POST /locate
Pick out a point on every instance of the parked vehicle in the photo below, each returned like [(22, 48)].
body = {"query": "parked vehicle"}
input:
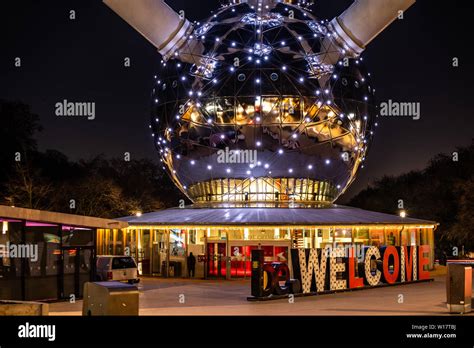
[(119, 268)]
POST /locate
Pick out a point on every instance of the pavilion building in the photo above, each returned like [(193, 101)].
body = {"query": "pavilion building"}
[(222, 238)]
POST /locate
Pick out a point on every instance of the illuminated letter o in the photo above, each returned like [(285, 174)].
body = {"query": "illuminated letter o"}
[(391, 278)]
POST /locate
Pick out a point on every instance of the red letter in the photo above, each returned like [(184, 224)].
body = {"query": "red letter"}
[(354, 282), (422, 261), (391, 277)]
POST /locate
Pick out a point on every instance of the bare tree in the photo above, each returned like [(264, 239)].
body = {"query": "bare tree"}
[(27, 188)]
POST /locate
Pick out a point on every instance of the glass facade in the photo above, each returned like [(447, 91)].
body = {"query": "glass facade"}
[(11, 268), (42, 270), (263, 190), (41, 261), (225, 252)]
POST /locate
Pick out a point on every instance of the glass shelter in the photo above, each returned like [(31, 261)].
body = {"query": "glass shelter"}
[(46, 255)]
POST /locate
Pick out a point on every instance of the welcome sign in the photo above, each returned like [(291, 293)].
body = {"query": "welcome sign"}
[(337, 269)]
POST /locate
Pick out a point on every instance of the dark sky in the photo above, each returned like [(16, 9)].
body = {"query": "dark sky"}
[(82, 60)]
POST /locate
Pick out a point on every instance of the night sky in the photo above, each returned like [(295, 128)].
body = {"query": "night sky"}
[(82, 60)]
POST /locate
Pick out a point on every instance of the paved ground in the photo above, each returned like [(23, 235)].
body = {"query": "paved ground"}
[(206, 297)]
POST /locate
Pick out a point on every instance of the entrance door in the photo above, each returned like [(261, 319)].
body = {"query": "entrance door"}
[(144, 256), (216, 255), (241, 255), (77, 269), (155, 256)]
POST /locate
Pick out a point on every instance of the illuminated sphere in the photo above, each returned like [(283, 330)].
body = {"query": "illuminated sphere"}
[(259, 86)]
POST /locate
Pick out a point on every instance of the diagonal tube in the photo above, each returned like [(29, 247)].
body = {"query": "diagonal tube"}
[(361, 23), (167, 30)]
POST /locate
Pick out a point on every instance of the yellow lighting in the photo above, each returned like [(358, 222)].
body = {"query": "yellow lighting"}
[(277, 233), (138, 214), (5, 227), (284, 227), (403, 214)]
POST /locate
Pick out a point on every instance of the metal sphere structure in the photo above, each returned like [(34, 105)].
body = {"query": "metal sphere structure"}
[(258, 117)]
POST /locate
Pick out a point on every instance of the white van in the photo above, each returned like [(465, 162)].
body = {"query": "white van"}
[(119, 268)]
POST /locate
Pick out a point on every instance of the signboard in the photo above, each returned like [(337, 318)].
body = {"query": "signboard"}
[(332, 269)]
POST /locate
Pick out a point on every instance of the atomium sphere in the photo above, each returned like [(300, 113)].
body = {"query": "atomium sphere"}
[(257, 119)]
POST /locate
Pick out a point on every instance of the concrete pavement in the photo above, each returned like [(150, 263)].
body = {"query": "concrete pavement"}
[(210, 297)]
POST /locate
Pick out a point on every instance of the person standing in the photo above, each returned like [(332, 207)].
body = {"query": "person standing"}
[(191, 265)]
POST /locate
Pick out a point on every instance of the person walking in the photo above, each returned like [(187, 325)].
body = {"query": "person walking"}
[(191, 265)]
